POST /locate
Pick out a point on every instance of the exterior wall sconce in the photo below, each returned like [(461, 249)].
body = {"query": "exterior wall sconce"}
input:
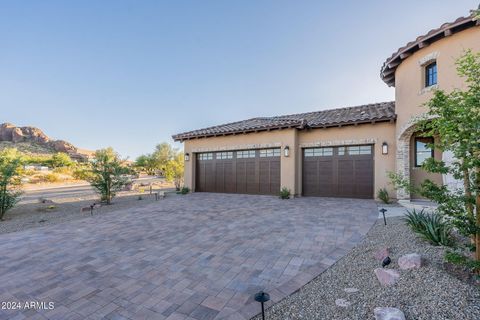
[(384, 148), (187, 156), (286, 151)]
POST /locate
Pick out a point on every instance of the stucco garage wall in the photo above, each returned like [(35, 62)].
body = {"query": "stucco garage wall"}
[(374, 134), (264, 139), (291, 167)]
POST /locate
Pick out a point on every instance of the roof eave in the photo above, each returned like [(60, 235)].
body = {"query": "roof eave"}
[(387, 71), (303, 126)]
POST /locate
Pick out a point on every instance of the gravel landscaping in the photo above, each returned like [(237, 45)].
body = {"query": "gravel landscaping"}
[(31, 215), (424, 293)]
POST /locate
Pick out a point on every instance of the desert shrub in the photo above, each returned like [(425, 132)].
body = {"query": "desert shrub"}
[(29, 173), (383, 195), (430, 226), (52, 177), (64, 170), (10, 179), (285, 193), (81, 173), (60, 159), (37, 159), (462, 260)]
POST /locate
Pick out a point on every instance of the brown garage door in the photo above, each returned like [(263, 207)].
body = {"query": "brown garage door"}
[(242, 171), (338, 172)]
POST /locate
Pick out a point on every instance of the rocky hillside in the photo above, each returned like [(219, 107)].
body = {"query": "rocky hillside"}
[(33, 140)]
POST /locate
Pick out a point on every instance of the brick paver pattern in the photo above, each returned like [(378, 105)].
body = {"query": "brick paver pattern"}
[(199, 256)]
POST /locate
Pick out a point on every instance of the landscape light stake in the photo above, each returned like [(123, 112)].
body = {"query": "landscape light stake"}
[(91, 209), (386, 262), (383, 210), (262, 297)]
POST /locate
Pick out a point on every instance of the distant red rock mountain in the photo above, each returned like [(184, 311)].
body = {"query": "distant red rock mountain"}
[(21, 135)]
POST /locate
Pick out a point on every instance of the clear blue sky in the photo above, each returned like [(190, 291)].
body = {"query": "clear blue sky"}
[(129, 74)]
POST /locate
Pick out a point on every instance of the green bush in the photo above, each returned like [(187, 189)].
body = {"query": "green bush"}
[(81, 173), (285, 193), (185, 190), (382, 194), (430, 226), (462, 260)]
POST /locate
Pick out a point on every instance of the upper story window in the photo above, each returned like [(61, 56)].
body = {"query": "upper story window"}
[(431, 74), (423, 151)]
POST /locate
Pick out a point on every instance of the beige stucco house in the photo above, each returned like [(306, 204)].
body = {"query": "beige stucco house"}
[(344, 152)]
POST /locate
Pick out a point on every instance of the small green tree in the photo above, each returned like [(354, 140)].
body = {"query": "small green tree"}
[(147, 163), (108, 174), (163, 153), (174, 169), (61, 159), (10, 179)]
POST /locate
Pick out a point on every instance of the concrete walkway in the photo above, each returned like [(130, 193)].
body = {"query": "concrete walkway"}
[(200, 256), (402, 208)]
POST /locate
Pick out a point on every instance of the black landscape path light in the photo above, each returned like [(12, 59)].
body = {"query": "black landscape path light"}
[(386, 262), (383, 210), (262, 297)]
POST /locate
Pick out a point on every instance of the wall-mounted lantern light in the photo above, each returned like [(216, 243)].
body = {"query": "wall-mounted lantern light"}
[(384, 148), (286, 151), (187, 156)]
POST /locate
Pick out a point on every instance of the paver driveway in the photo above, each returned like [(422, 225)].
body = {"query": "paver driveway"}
[(199, 256)]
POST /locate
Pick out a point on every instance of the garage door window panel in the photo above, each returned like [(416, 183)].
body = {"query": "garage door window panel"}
[(318, 152), (245, 154), (205, 156), (224, 155), (264, 153)]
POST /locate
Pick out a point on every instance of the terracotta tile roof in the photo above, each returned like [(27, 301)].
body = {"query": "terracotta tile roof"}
[(375, 112), (387, 72)]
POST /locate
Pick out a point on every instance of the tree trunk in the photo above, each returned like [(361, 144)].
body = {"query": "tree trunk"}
[(3, 205), (477, 212), (468, 204)]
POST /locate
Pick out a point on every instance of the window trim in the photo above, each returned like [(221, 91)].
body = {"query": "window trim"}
[(426, 70), (432, 152)]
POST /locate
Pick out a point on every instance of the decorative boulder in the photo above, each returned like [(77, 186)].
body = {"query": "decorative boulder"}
[(388, 314), (410, 261), (386, 276), (381, 253)]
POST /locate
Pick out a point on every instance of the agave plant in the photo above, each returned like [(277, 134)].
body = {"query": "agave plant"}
[(430, 226)]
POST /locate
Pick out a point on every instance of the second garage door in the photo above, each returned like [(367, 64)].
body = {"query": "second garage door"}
[(242, 171), (338, 171)]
